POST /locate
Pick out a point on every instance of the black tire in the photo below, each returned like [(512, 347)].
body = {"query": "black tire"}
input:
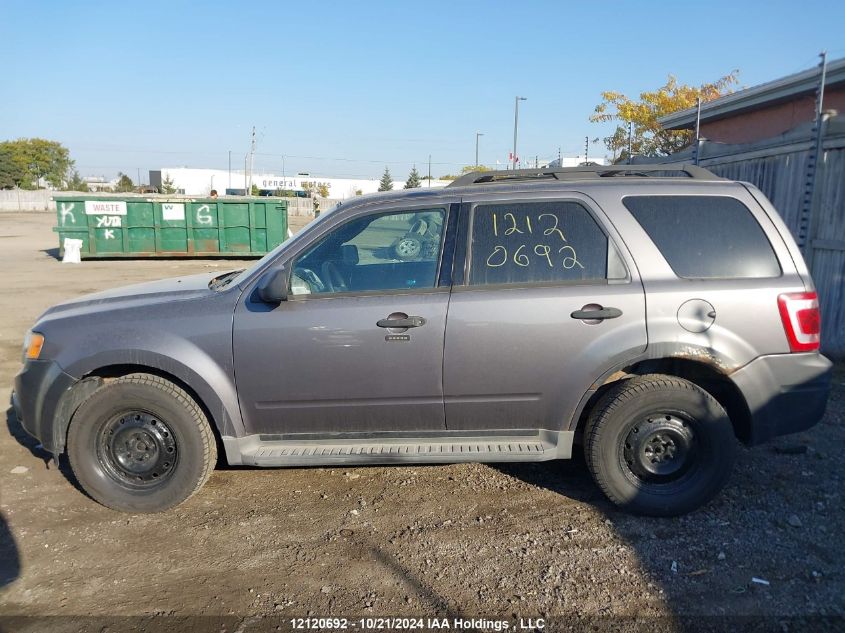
[(659, 445), (140, 444)]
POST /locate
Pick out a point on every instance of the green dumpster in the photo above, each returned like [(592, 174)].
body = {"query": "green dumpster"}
[(171, 226)]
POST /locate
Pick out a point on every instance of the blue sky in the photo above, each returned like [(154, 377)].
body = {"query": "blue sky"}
[(343, 90)]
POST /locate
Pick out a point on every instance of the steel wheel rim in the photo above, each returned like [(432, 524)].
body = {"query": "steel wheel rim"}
[(659, 448), (408, 247), (137, 449)]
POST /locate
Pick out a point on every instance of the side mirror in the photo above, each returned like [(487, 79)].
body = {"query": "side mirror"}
[(273, 286)]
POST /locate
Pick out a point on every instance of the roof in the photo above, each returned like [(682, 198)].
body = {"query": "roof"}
[(771, 93), (549, 179)]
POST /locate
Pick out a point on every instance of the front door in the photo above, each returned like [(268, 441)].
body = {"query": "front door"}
[(521, 348), (358, 346)]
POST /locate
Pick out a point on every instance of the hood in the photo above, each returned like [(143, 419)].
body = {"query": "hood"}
[(164, 290)]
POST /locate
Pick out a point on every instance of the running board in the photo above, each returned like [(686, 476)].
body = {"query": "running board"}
[(443, 449)]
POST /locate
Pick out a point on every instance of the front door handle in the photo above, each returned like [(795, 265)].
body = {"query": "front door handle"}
[(599, 314), (411, 321)]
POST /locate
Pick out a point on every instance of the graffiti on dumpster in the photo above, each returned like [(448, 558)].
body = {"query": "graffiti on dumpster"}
[(66, 209), (204, 214), (108, 220)]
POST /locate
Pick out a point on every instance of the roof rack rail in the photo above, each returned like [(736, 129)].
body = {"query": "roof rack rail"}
[(584, 172)]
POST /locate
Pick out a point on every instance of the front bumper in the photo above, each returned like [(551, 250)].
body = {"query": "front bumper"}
[(785, 393), (39, 389)]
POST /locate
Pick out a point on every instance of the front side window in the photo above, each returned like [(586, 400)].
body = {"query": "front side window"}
[(385, 251), (536, 242)]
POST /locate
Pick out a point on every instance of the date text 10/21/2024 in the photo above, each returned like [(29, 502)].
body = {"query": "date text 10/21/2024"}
[(418, 624)]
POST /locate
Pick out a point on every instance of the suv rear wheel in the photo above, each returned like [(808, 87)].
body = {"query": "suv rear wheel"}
[(659, 445), (141, 444)]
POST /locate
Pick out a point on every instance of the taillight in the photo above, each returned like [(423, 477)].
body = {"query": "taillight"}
[(799, 312)]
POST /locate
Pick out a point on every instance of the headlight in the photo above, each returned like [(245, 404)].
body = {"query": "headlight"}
[(32, 344)]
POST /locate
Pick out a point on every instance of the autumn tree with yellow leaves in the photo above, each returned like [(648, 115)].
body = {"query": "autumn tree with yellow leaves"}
[(649, 138)]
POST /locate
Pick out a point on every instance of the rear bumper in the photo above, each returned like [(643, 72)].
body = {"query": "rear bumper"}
[(785, 393), (39, 389)]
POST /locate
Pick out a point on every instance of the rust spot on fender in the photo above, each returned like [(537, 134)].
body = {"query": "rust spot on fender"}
[(704, 355)]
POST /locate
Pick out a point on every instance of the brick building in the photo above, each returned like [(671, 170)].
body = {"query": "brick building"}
[(767, 110)]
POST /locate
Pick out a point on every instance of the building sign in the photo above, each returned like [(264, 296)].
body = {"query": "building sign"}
[(173, 211), (272, 183), (105, 207)]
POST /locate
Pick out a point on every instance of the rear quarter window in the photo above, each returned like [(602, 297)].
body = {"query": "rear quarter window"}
[(706, 237)]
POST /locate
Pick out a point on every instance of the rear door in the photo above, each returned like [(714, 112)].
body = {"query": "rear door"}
[(545, 300)]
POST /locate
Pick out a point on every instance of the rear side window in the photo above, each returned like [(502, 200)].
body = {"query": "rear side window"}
[(536, 242), (706, 237)]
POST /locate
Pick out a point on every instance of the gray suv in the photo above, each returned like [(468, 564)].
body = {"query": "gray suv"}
[(651, 315)]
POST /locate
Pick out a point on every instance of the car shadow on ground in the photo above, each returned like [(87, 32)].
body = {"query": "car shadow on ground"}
[(55, 254), (10, 561), (34, 447)]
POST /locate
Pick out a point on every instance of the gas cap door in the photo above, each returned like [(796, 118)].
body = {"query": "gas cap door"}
[(696, 315)]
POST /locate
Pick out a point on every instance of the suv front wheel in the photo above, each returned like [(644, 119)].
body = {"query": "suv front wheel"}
[(141, 444), (659, 445)]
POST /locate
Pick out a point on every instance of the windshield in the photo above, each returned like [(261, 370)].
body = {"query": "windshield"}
[(306, 231)]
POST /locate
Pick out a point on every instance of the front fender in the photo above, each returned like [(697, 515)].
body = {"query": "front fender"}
[(213, 384)]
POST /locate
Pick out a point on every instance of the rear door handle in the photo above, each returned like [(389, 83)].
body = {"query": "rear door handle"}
[(411, 321), (602, 313)]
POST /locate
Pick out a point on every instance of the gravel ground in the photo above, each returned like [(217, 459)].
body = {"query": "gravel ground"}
[(510, 541)]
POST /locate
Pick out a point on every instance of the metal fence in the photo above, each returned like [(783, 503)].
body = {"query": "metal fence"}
[(42, 200), (779, 168)]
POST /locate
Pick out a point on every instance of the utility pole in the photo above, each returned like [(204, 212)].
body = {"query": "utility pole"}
[(429, 171), (251, 157), (559, 159), (630, 140), (139, 176), (230, 169), (516, 125), (586, 149), (246, 162), (477, 134)]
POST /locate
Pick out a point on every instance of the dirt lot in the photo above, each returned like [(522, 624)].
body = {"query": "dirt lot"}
[(512, 541)]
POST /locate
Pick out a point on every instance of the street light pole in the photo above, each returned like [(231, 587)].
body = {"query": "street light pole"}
[(516, 125), (477, 134)]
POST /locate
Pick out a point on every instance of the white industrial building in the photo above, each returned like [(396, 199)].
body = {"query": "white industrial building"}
[(200, 182)]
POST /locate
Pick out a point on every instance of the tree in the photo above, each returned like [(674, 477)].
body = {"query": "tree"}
[(413, 179), (648, 137), (323, 189), (124, 183), (76, 183), (308, 188), (167, 185), (467, 169), (254, 190), (386, 182), (26, 161), (11, 173)]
